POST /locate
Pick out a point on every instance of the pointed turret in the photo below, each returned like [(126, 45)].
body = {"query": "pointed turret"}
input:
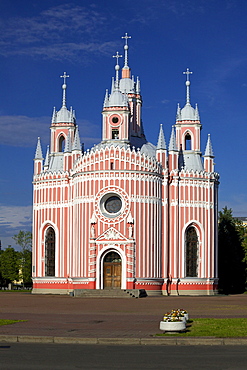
[(188, 132), (77, 141), (122, 108), (67, 148), (38, 159), (161, 140), (63, 115), (173, 151), (161, 153), (62, 132), (209, 156), (172, 142), (209, 148), (38, 152), (106, 100), (47, 159)]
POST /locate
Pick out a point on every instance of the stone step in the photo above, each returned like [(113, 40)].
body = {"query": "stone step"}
[(110, 293)]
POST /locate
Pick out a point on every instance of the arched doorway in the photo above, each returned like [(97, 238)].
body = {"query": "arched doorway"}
[(191, 243), (50, 252), (112, 271)]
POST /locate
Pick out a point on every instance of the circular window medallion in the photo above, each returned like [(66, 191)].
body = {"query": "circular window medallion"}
[(115, 121), (111, 205)]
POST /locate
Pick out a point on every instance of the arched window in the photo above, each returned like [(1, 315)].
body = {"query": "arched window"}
[(50, 252), (187, 141), (61, 144), (191, 242), (115, 134)]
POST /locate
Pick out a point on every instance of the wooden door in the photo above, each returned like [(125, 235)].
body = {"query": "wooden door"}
[(112, 275)]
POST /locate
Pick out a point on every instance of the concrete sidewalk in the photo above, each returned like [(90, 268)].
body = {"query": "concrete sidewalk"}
[(65, 319)]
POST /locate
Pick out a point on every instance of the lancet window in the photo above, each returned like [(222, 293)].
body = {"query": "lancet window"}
[(50, 252), (191, 242)]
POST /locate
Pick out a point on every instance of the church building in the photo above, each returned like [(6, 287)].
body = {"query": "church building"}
[(125, 214)]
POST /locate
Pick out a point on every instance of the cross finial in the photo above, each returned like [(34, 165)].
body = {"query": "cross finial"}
[(64, 88), (187, 83), (126, 37), (188, 72), (64, 77), (117, 56)]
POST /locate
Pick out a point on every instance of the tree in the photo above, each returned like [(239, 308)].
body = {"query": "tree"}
[(26, 267), (231, 254), (9, 264), (24, 240)]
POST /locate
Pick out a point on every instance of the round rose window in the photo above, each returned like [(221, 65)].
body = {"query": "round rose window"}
[(113, 204)]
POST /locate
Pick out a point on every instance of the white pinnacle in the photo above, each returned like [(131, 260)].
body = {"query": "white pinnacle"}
[(126, 47), (187, 83), (64, 86), (117, 67)]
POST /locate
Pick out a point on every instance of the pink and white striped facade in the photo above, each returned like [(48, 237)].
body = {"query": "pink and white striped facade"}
[(126, 196)]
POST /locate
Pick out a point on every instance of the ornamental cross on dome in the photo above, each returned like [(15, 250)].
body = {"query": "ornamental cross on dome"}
[(117, 56), (187, 83), (126, 37), (64, 88)]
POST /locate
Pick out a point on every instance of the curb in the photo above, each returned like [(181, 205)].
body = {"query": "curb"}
[(202, 341)]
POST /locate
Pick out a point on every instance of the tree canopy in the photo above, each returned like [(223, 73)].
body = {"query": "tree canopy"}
[(231, 257)]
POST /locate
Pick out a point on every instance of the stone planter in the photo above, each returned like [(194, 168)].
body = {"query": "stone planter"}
[(186, 315), (172, 325)]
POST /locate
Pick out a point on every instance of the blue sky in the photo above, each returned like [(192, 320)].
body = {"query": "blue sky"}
[(41, 40)]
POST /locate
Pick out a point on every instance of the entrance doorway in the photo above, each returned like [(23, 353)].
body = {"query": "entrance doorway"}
[(112, 271)]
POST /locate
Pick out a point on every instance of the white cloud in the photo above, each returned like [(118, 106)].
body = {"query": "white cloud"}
[(22, 130), (62, 30), (12, 220), (27, 129)]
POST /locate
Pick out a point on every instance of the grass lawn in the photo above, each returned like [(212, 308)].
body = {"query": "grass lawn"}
[(9, 322), (220, 328)]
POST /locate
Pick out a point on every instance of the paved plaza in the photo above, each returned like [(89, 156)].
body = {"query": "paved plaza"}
[(70, 317)]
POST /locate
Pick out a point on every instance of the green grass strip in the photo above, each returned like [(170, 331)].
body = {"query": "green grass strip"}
[(9, 322), (219, 328)]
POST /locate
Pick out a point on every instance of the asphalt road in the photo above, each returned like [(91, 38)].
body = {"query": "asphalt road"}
[(68, 357)]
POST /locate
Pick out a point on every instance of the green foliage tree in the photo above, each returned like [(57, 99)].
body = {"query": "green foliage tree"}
[(26, 267), (9, 264), (24, 240), (231, 254)]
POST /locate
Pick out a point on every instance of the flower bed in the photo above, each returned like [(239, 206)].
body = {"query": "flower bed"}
[(174, 320)]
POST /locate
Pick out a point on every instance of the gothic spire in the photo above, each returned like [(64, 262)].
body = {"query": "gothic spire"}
[(77, 141), (67, 148), (209, 148), (161, 140), (172, 143), (46, 164), (38, 153)]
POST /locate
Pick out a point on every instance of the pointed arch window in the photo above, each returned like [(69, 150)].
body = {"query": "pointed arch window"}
[(61, 143), (115, 134), (191, 243), (50, 252), (187, 141)]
